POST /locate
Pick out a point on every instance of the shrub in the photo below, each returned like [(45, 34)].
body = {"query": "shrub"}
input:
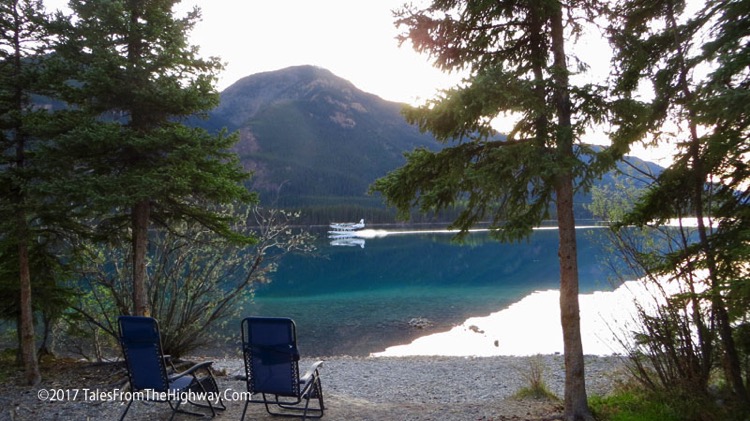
[(195, 280), (534, 377)]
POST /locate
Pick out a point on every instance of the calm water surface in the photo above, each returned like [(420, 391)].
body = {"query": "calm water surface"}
[(353, 300)]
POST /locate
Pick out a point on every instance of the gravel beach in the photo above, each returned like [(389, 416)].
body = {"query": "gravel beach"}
[(382, 388)]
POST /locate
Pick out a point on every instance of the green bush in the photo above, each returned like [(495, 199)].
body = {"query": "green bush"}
[(632, 406), (195, 282)]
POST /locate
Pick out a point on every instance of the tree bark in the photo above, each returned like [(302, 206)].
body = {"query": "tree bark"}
[(141, 211), (28, 338), (733, 363), (141, 214), (576, 401), (26, 317)]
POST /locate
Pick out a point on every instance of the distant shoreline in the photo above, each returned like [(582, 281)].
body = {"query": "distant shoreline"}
[(582, 223)]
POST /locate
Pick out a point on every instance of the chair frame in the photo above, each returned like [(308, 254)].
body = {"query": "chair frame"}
[(294, 402), (198, 378)]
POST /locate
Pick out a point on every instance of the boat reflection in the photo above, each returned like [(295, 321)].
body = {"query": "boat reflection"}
[(347, 241)]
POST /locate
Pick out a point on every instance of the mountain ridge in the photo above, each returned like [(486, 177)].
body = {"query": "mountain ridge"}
[(313, 139), (316, 142)]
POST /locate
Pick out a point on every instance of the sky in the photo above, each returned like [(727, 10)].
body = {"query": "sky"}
[(354, 39)]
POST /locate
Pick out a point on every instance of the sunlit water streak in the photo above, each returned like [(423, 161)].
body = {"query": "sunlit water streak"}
[(373, 233), (532, 325)]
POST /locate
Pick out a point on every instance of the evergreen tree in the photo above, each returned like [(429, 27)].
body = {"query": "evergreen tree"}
[(517, 63), (133, 73), (23, 41), (668, 47)]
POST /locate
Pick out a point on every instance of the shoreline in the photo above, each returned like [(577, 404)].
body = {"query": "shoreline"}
[(499, 376), (362, 388), (532, 326)]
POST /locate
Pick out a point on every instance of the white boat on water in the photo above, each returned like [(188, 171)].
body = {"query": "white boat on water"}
[(347, 226)]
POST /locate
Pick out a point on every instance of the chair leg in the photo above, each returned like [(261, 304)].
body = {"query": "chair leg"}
[(307, 405), (220, 406), (315, 391), (208, 405), (174, 409), (244, 410), (127, 408), (319, 392), (265, 402), (209, 384), (288, 409)]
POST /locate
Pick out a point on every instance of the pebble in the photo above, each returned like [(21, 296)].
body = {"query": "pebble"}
[(448, 379)]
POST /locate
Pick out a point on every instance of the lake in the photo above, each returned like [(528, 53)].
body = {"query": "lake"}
[(357, 298)]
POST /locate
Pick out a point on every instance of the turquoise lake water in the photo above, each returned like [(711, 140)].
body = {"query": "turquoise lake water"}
[(354, 300)]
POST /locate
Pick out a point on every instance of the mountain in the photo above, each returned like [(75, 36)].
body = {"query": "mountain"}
[(316, 142), (313, 139)]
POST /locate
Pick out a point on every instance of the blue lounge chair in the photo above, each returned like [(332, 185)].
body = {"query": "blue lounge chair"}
[(269, 347), (148, 373)]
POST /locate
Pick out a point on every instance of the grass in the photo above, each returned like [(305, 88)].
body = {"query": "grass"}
[(537, 387), (632, 402), (630, 405)]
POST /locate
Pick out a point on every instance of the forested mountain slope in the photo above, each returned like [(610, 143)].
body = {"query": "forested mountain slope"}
[(316, 142)]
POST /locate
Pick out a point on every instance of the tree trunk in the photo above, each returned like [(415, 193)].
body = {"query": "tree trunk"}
[(26, 317), (28, 341), (576, 401), (718, 306), (141, 214), (141, 210)]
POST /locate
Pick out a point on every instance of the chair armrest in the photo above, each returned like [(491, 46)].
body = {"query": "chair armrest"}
[(311, 372), (192, 370), (168, 360)]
